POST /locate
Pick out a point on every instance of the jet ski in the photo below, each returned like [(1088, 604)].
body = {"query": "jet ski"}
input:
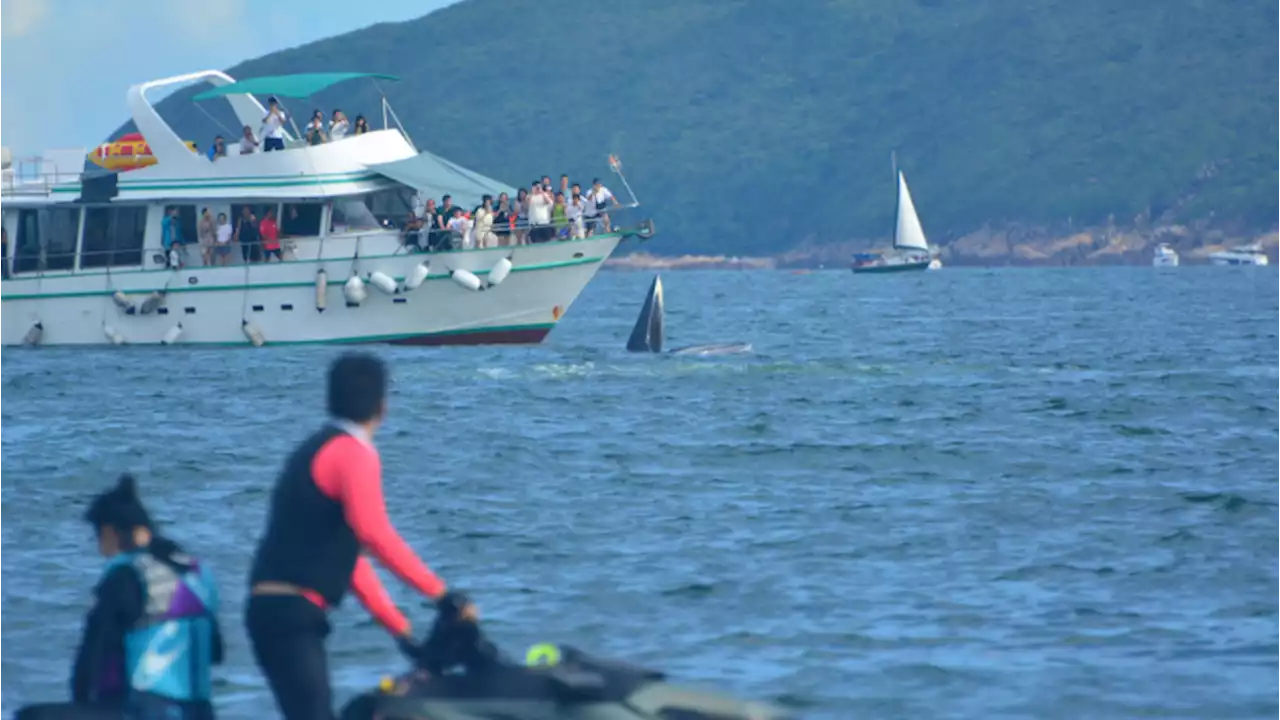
[(556, 682)]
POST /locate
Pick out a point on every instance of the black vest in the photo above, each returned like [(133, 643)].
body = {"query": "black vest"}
[(308, 542)]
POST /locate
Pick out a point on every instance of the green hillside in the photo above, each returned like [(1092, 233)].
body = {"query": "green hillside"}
[(747, 126)]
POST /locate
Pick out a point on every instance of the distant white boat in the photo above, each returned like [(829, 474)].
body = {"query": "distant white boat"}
[(1165, 256), (1246, 255), (910, 247)]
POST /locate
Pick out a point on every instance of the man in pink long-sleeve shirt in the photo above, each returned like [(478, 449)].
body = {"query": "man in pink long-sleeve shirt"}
[(327, 512)]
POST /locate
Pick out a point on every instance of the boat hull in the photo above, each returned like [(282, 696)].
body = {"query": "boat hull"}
[(280, 300), (909, 266), (1239, 259)]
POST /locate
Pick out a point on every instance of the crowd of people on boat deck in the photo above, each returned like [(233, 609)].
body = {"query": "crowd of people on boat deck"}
[(537, 215), (258, 239), (271, 134)]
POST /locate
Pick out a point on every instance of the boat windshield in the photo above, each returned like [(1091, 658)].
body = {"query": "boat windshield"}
[(351, 215)]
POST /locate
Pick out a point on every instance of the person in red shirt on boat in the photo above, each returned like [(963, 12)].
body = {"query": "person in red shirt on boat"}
[(269, 229), (326, 509)]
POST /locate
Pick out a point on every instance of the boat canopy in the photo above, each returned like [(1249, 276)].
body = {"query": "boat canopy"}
[(301, 85), (435, 177)]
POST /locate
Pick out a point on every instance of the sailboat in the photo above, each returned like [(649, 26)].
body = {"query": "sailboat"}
[(910, 248)]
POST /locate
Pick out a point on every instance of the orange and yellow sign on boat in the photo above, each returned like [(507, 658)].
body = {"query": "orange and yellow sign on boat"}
[(130, 152)]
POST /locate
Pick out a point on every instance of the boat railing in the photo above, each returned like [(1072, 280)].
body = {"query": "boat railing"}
[(64, 263), (35, 176)]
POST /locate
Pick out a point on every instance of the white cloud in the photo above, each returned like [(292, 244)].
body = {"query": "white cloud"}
[(19, 17)]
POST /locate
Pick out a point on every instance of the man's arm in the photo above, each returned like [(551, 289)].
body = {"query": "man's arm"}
[(348, 471), (373, 596)]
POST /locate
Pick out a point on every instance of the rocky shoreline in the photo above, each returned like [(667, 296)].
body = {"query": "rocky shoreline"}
[(1009, 246)]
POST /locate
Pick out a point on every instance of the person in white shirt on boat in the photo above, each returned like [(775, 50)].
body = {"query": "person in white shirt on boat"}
[(575, 208), (273, 126), (483, 230), (598, 198), (461, 229), (248, 143), (338, 126), (540, 202), (222, 241)]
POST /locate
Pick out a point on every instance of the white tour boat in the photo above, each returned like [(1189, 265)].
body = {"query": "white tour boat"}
[(84, 262), (1164, 256), (910, 248), (1245, 255)]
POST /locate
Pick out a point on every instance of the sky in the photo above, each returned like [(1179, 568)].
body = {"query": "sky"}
[(65, 64)]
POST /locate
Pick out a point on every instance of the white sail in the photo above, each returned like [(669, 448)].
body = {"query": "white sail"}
[(908, 235)]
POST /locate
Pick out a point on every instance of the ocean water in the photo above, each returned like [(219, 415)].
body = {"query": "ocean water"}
[(964, 494)]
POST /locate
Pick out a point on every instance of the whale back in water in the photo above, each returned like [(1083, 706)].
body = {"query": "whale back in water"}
[(647, 335)]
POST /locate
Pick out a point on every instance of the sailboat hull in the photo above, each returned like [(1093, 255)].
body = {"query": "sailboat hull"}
[(907, 266)]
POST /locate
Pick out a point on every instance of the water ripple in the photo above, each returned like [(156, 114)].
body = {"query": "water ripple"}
[(989, 494)]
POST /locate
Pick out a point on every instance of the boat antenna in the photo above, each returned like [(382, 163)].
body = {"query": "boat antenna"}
[(387, 109), (616, 165)]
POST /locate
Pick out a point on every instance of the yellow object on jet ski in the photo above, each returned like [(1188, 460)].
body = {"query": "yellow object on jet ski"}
[(542, 654)]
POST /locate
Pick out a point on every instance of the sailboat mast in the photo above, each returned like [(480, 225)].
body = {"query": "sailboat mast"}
[(897, 194)]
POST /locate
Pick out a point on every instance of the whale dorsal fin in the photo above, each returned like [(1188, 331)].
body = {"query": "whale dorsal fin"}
[(646, 336)]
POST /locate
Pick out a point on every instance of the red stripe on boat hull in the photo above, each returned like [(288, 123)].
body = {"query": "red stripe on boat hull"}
[(514, 336)]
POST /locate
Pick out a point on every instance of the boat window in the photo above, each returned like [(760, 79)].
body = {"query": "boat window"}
[(113, 236), (301, 219), (390, 205), (46, 239), (351, 215)]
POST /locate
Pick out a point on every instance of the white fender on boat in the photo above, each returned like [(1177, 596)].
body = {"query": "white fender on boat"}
[(153, 301), (466, 279), (354, 291), (417, 276), (34, 335), (172, 336), (383, 282), (500, 271), (322, 288), (113, 335), (252, 332), (123, 302)]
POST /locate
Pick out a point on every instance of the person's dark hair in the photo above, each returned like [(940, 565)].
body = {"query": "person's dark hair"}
[(118, 507), (486, 198), (445, 198), (357, 387)]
